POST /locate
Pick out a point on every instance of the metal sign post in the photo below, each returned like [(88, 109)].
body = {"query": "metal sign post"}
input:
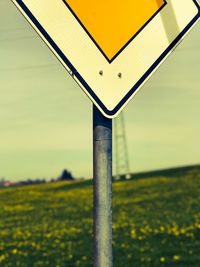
[(102, 166)]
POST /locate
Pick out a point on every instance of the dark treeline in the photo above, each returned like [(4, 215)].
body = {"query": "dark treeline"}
[(65, 176)]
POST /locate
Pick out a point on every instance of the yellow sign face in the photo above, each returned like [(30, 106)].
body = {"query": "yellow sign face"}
[(112, 47), (112, 24)]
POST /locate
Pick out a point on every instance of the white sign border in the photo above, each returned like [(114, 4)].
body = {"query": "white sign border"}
[(87, 89)]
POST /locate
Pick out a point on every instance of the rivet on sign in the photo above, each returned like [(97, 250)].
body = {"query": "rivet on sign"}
[(101, 72), (120, 75)]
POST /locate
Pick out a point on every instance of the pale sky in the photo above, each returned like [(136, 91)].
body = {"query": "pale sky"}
[(46, 119)]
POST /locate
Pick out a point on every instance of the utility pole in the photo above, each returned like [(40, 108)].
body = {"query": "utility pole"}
[(122, 166)]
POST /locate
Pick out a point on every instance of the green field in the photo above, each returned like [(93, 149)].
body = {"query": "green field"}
[(156, 222)]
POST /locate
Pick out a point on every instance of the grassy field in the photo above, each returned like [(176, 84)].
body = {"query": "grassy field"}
[(156, 223)]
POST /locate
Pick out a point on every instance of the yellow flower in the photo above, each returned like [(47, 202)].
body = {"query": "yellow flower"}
[(14, 251), (162, 259), (133, 233), (2, 257), (176, 258)]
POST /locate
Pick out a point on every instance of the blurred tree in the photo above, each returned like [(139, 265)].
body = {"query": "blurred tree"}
[(66, 175)]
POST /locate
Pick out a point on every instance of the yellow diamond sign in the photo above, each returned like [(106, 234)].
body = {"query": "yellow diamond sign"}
[(112, 24), (112, 47)]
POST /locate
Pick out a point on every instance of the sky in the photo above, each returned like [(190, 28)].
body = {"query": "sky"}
[(46, 119)]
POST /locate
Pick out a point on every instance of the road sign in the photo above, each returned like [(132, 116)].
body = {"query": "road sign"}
[(112, 47)]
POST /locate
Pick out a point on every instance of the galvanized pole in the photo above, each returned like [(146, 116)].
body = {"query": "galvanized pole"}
[(102, 164)]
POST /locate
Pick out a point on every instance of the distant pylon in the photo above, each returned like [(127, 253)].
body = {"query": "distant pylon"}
[(122, 167)]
